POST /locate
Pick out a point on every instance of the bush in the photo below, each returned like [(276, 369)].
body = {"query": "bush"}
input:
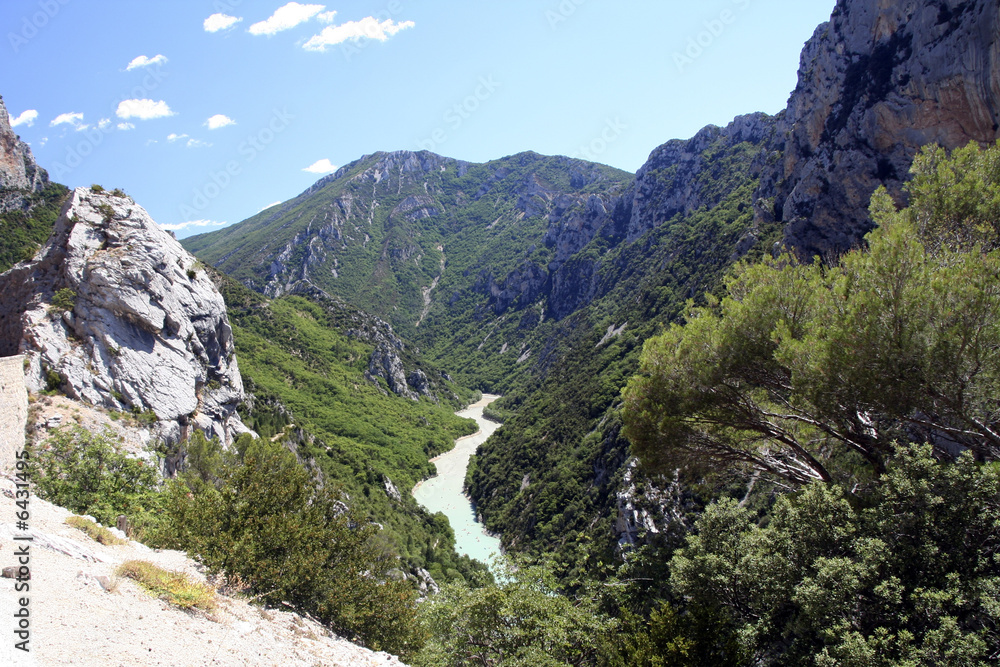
[(265, 520), (89, 473), (521, 620), (64, 299), (903, 574)]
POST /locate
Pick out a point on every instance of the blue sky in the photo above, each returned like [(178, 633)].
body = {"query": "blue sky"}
[(208, 111)]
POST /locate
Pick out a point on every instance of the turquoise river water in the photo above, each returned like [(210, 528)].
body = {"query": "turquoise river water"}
[(444, 492)]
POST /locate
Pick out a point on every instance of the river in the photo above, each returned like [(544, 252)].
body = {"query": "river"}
[(444, 492)]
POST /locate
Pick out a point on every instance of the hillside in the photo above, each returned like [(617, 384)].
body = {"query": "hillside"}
[(540, 277)]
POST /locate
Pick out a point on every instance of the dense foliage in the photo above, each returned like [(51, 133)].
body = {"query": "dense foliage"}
[(801, 370), (22, 234), (260, 517), (520, 621), (89, 473), (906, 573)]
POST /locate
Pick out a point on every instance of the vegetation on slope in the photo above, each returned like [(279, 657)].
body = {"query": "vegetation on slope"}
[(22, 234), (307, 378)]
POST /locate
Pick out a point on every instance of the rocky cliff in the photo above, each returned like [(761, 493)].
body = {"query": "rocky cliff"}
[(877, 82), (19, 175), (114, 312)]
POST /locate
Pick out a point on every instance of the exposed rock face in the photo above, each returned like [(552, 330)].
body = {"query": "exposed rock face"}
[(878, 81), (678, 178), (18, 172), (146, 330)]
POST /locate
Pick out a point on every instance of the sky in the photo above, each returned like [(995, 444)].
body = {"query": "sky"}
[(209, 111)]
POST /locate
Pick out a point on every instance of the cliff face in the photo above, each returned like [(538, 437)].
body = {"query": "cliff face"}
[(877, 82), (19, 175), (114, 312)]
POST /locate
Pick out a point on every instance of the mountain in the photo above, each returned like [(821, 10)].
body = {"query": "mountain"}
[(540, 277), (29, 203)]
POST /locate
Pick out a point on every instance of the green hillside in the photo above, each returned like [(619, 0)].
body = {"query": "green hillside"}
[(307, 375)]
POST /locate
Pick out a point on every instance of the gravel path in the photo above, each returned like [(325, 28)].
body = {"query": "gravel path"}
[(75, 621)]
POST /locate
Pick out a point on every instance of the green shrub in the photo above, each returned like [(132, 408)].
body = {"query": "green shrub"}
[(265, 520), (521, 620), (89, 473), (64, 299), (96, 189)]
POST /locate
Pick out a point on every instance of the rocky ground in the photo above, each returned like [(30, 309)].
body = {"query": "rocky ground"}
[(82, 613)]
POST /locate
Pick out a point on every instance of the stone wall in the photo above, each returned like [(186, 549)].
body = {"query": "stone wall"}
[(13, 410)]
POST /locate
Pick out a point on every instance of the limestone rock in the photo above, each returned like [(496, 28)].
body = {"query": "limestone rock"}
[(877, 82), (19, 175), (147, 330)]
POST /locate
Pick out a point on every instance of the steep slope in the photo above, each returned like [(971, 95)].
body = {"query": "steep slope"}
[(399, 233), (115, 313), (877, 82), (310, 367), (29, 203)]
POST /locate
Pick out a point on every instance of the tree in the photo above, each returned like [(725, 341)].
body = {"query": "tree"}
[(519, 621), (804, 371), (906, 573), (264, 519), (90, 473)]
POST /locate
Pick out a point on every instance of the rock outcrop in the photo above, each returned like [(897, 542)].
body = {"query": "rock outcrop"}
[(19, 175), (877, 82), (114, 312)]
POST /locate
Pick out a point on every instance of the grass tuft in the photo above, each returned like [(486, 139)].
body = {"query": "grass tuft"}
[(94, 531), (176, 588)]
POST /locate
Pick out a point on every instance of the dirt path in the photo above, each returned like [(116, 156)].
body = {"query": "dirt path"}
[(75, 621)]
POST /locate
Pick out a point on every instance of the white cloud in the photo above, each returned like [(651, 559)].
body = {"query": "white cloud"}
[(197, 143), (286, 17), (126, 126), (367, 28), (72, 118), (104, 124), (81, 127), (26, 118), (193, 223), (143, 61), (326, 17), (323, 166), (269, 206), (43, 141), (219, 120), (217, 22), (172, 137), (143, 109)]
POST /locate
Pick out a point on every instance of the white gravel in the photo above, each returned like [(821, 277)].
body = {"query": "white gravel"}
[(74, 621)]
